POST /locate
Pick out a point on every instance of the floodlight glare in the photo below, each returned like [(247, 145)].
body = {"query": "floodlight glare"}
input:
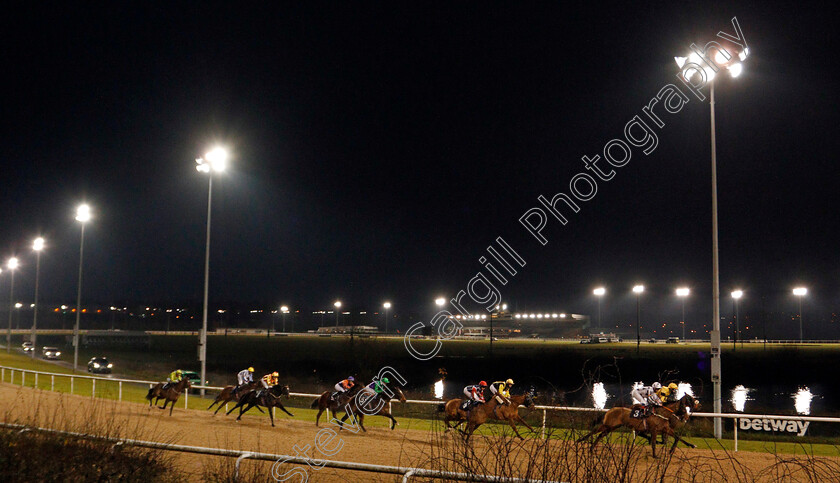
[(337, 304), (387, 305), (440, 301), (737, 294), (38, 244), (599, 291), (83, 213), (735, 69), (639, 288), (683, 292), (284, 309), (799, 291), (12, 263)]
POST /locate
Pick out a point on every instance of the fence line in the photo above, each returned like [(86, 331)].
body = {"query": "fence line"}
[(544, 409), (240, 455)]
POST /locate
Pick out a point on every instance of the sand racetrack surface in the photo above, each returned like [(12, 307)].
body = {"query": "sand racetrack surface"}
[(403, 446)]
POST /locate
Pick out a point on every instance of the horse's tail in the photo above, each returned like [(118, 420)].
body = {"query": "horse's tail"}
[(149, 396)]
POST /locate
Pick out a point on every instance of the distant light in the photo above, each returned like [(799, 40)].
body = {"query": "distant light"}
[(735, 69), (337, 304), (800, 291), (553, 316), (63, 307), (387, 305), (639, 288), (740, 396), (683, 292), (217, 158), (539, 316), (284, 309), (38, 244), (721, 59), (504, 306), (802, 400), (532, 316), (483, 317), (562, 316), (438, 388), (599, 291), (83, 213), (18, 305), (680, 61), (518, 316), (599, 395), (440, 301), (737, 294), (12, 263)]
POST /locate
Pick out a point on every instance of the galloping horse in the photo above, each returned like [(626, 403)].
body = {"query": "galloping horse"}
[(383, 411), (662, 421), (678, 417), (325, 401), (169, 395), (269, 398), (509, 413), (227, 395)]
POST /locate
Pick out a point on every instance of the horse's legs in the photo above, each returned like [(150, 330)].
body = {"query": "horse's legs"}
[(238, 404), (519, 418), (587, 435), (604, 429), (171, 407), (318, 417), (282, 408), (271, 417), (217, 409), (513, 425), (653, 434)]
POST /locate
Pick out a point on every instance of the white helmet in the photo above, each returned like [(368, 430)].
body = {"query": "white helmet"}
[(656, 385)]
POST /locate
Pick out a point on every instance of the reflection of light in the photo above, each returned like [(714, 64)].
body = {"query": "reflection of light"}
[(684, 388), (439, 389), (740, 397), (599, 395), (802, 400)]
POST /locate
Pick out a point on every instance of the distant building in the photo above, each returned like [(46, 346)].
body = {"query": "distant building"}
[(505, 324), (349, 329)]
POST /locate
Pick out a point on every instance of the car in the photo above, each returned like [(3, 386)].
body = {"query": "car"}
[(194, 377), (50, 352), (99, 365), (673, 340), (652, 340), (28, 346)]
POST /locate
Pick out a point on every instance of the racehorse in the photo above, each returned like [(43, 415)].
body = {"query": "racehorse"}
[(509, 413), (169, 395), (359, 413), (269, 398), (325, 401), (662, 421), (228, 395), (678, 417)]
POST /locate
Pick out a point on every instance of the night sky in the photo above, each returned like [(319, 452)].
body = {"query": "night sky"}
[(377, 149)]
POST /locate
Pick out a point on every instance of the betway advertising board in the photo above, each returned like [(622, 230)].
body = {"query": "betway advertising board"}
[(793, 426)]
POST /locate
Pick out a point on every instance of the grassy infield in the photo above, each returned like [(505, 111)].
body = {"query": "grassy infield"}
[(135, 393)]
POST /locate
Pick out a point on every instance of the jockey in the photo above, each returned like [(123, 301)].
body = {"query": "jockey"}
[(646, 396), (174, 377), (270, 380), (668, 394), (378, 386), (501, 391), (343, 386), (243, 377), (475, 395)]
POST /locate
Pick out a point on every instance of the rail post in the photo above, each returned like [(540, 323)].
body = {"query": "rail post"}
[(36, 380), (407, 475), (542, 435), (71, 384), (236, 466), (186, 399), (3, 375), (736, 434), (12, 377), (93, 388), (52, 383), (119, 398), (22, 378)]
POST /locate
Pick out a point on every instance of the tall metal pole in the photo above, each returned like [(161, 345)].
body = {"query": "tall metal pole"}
[(34, 335), (683, 318), (599, 312), (78, 303), (737, 330), (715, 335), (11, 303), (800, 318), (386, 320), (638, 321), (202, 344)]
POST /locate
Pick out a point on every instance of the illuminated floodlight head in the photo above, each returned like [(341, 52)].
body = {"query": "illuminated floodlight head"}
[(800, 291), (387, 305), (38, 244), (440, 301), (683, 292), (83, 213), (504, 306), (639, 288), (12, 263), (214, 160), (562, 316), (680, 61), (337, 304), (735, 69), (284, 309), (18, 305), (737, 294), (599, 291)]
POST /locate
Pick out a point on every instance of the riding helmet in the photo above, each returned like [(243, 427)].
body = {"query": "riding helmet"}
[(509, 382), (250, 369), (483, 383)]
